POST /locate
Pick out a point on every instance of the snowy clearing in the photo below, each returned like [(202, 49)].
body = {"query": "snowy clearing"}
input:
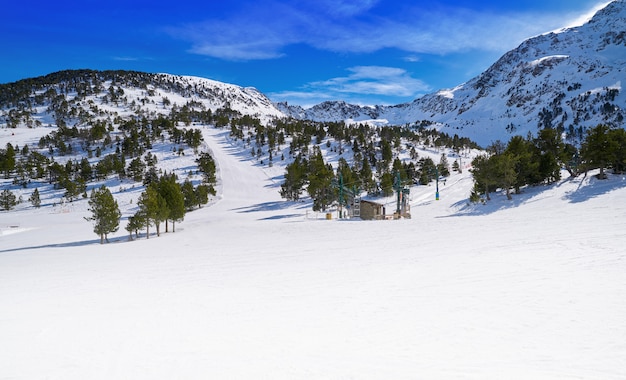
[(249, 288)]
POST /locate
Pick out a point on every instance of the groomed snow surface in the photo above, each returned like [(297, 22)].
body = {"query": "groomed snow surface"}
[(253, 287)]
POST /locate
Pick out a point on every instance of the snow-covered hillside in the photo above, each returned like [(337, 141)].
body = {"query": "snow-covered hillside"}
[(253, 286), (78, 96), (568, 79), (256, 287)]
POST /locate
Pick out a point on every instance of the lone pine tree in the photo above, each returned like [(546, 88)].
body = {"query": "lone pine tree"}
[(8, 200), (105, 213), (34, 199)]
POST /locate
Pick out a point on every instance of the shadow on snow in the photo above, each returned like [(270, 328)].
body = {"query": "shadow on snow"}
[(586, 187), (595, 188), (82, 243)]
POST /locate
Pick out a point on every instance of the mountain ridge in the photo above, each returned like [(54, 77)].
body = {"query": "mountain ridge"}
[(523, 90), (569, 80)]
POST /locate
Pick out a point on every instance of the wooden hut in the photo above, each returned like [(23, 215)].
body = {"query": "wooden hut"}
[(371, 210)]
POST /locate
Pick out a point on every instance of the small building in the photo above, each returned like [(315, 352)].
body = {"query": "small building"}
[(371, 210)]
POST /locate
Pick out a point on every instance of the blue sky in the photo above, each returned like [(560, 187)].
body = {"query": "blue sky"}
[(301, 51)]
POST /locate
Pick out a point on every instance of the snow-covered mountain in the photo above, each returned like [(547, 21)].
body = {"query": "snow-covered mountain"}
[(569, 79), (565, 79), (78, 95)]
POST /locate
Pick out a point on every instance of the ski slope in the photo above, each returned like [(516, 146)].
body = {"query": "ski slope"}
[(253, 287)]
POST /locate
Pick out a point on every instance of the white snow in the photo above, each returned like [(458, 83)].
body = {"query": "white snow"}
[(249, 288), (371, 122), (449, 93), (541, 60)]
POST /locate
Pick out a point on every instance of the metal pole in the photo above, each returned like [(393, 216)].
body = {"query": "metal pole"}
[(340, 194), (398, 190), (437, 190)]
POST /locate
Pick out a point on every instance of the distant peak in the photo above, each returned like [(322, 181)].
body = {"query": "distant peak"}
[(614, 11)]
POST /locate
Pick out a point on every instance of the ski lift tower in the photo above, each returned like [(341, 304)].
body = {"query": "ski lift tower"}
[(347, 196), (402, 198)]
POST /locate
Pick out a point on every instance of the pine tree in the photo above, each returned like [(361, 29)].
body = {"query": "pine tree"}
[(135, 224), (136, 169), (427, 171), (387, 153), (154, 207), (34, 199), (7, 200), (386, 184), (550, 147), (365, 174), (73, 188), (86, 171), (189, 194), (320, 181), (171, 191), (443, 167), (295, 179), (397, 167), (527, 166), (161, 213), (105, 213), (8, 160), (202, 194), (504, 165), (456, 167), (619, 158), (147, 203), (598, 150), (483, 173), (207, 166), (151, 175)]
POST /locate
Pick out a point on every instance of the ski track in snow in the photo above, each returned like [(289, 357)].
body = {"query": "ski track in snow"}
[(250, 288)]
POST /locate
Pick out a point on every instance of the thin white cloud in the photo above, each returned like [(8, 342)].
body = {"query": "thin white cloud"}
[(581, 19), (361, 82), (126, 59), (343, 8), (249, 36), (264, 29), (412, 58), (377, 80)]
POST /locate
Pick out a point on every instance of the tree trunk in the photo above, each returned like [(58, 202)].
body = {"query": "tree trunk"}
[(173, 226), (101, 238)]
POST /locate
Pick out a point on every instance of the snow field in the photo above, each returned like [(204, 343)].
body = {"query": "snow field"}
[(248, 288)]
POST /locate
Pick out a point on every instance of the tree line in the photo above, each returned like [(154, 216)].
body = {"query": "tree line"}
[(163, 201), (536, 160)]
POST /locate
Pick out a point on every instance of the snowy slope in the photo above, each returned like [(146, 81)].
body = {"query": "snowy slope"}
[(566, 79), (569, 79), (250, 287), (246, 100), (134, 93)]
